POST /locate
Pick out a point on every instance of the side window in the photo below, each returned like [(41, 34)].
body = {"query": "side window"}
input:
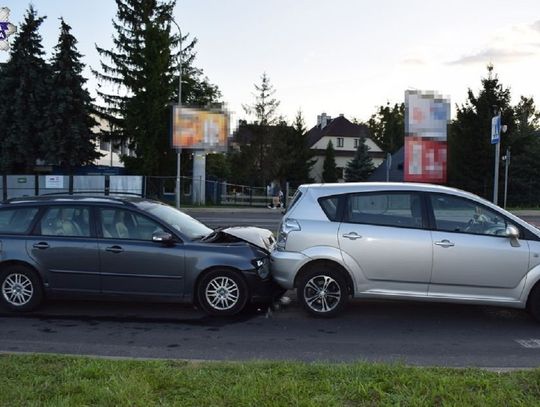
[(123, 224), (16, 220), (65, 221), (455, 214), (329, 205), (401, 209)]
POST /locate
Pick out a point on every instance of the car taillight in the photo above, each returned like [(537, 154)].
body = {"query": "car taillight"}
[(286, 227)]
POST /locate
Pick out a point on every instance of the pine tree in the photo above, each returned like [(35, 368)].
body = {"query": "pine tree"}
[(329, 166), (300, 155), (265, 106), (361, 166), (255, 163), (470, 152), (68, 133), (25, 90), (144, 67)]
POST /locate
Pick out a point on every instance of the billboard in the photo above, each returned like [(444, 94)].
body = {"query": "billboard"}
[(199, 129), (426, 118)]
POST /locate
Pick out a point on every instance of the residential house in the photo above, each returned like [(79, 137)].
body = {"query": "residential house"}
[(345, 137)]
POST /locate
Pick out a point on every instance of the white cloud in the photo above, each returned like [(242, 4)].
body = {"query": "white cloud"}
[(510, 44)]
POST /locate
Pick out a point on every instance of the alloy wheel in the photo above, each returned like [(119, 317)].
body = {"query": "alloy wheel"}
[(322, 293), (222, 293), (17, 289)]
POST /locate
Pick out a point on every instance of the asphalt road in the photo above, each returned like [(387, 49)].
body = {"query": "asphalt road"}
[(411, 332)]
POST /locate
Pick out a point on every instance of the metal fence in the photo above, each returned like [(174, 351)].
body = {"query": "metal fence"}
[(212, 192), (215, 192), (15, 186)]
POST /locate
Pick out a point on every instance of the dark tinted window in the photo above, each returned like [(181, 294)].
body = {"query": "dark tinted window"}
[(65, 221), (329, 205), (16, 220), (455, 214), (123, 224), (385, 209)]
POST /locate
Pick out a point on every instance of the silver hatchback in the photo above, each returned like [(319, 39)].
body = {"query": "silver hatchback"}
[(404, 241)]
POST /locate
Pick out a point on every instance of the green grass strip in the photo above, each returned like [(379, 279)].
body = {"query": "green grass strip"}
[(50, 380)]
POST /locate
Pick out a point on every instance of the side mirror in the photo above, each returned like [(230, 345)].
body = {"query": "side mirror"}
[(162, 237), (512, 233)]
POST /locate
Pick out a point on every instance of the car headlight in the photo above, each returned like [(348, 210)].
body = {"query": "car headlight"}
[(263, 267)]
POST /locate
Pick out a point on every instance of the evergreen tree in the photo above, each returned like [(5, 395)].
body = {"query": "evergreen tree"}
[(68, 132), (24, 87), (255, 162), (470, 152), (387, 127), (265, 106), (298, 155), (329, 166), (144, 67), (361, 166), (524, 182)]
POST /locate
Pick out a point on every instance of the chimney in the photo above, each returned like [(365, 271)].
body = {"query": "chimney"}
[(318, 120), (324, 120), (341, 115)]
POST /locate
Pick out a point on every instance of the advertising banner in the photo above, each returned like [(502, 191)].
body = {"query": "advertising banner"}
[(427, 115), (199, 129)]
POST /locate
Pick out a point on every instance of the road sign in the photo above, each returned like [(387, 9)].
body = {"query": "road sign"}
[(496, 129)]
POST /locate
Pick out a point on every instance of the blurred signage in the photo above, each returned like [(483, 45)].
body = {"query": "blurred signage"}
[(426, 118), (54, 181), (6, 28), (199, 129)]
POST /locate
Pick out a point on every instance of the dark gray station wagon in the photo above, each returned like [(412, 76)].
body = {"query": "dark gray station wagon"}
[(83, 246)]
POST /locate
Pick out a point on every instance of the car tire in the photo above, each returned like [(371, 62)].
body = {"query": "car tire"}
[(20, 288), (222, 293), (322, 292), (533, 303)]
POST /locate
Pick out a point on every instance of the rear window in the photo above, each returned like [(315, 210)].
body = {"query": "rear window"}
[(296, 197), (16, 220), (329, 205)]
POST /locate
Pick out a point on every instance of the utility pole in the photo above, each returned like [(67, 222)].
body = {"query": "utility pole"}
[(506, 159), (179, 149), (496, 139)]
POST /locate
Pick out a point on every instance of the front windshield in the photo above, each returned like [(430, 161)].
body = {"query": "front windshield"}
[(185, 224)]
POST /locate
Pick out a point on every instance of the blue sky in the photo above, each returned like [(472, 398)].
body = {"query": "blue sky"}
[(343, 56)]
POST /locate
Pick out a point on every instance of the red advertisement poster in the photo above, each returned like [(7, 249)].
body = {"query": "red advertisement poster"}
[(425, 160)]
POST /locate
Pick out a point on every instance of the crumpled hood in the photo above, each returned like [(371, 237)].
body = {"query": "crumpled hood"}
[(262, 238)]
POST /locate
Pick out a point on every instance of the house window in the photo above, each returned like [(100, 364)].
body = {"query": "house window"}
[(104, 145), (340, 141), (356, 141)]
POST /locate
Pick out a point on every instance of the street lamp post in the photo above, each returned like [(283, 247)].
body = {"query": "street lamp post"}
[(497, 154), (179, 149), (506, 159), (497, 129)]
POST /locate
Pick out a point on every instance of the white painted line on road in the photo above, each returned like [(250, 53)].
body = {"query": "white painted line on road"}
[(529, 343)]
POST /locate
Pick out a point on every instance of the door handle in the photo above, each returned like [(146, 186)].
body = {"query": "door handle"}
[(445, 243), (114, 249), (41, 245), (352, 236)]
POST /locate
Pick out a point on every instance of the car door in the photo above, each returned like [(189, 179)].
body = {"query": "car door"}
[(131, 262), (64, 244), (384, 234), (472, 257)]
